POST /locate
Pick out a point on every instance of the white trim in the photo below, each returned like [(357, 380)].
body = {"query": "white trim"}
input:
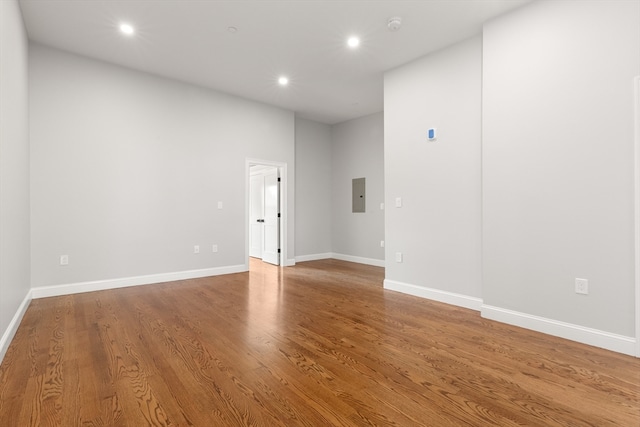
[(459, 300), (313, 257), (100, 285), (284, 208), (260, 169), (581, 334), (359, 260), (636, 176), (11, 330), (342, 257), (290, 262)]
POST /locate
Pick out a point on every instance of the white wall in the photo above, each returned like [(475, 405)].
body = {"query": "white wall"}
[(14, 171), (357, 152), (438, 227), (558, 161), (128, 168), (554, 172), (313, 190)]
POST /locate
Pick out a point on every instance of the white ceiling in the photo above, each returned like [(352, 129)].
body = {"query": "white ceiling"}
[(303, 39)]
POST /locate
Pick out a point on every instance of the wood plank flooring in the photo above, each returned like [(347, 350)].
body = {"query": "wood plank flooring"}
[(318, 344)]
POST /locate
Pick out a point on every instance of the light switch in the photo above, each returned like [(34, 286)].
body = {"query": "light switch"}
[(398, 202)]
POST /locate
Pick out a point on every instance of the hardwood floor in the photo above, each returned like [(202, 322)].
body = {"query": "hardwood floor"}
[(319, 344)]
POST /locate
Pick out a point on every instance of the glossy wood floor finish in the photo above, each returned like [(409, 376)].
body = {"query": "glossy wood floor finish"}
[(319, 344)]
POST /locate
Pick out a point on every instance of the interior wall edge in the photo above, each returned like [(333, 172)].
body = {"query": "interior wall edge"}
[(11, 330), (636, 175)]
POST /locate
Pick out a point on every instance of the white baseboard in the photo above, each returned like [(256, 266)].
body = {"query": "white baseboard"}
[(594, 337), (618, 343), (100, 285), (313, 257), (11, 330), (290, 262), (342, 257), (446, 297), (359, 260)]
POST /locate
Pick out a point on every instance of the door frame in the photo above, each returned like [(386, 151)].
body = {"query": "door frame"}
[(284, 218), (255, 179)]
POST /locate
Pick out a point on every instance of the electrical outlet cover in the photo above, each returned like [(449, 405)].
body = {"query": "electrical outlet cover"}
[(582, 286)]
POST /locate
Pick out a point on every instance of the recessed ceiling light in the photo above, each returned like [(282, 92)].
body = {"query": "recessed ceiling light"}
[(232, 29), (127, 29), (353, 42), (283, 81)]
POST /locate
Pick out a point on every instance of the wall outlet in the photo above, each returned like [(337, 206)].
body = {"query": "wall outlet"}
[(398, 256), (64, 259), (398, 202), (582, 286), (381, 206), (196, 249), (214, 248), (219, 205), (382, 243)]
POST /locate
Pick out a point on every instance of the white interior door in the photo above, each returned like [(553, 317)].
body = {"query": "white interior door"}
[(271, 248), (256, 215)]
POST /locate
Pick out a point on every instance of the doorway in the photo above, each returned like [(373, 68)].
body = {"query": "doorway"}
[(266, 219), (264, 213)]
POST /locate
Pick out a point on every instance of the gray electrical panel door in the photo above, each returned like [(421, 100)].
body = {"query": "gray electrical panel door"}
[(358, 195)]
